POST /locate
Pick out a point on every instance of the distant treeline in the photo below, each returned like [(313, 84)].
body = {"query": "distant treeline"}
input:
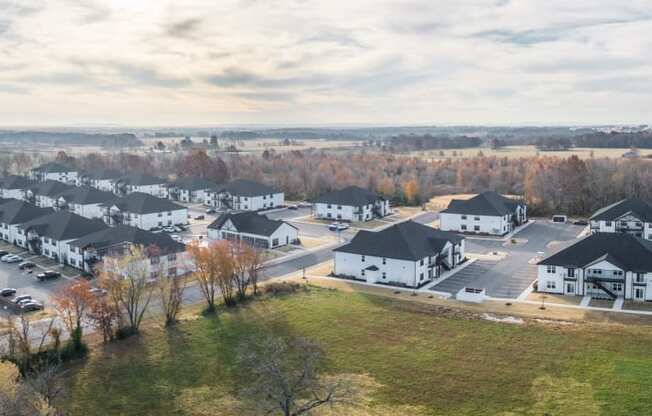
[(428, 142), (94, 139), (641, 140)]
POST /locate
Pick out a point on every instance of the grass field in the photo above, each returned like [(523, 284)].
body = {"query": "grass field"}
[(411, 359), (514, 152)]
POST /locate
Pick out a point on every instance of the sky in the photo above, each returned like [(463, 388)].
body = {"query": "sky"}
[(300, 62)]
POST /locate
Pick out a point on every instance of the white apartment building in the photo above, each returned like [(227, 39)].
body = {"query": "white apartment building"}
[(56, 172), (254, 229), (144, 211), (191, 189), (14, 186), (350, 204), (631, 216), (245, 195), (407, 254)]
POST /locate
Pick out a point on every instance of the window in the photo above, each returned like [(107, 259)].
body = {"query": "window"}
[(476, 218), (154, 260), (551, 284), (421, 277), (618, 272), (172, 256), (607, 223), (571, 272), (463, 227), (617, 287), (639, 293), (384, 275), (551, 269), (362, 258), (362, 272), (384, 260), (463, 217), (421, 262), (275, 242), (476, 228), (328, 206), (639, 278), (169, 214), (339, 207)]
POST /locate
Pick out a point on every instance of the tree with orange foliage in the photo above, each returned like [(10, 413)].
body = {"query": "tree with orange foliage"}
[(73, 302), (411, 190)]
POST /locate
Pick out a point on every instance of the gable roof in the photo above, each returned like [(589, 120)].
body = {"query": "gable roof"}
[(621, 249), (406, 241), (142, 179), (116, 236), (249, 222), (54, 167), (246, 187), (350, 196), (64, 225), (487, 203), (15, 182), (86, 195), (639, 208), (193, 183), (104, 174), (15, 211), (50, 188), (142, 203)]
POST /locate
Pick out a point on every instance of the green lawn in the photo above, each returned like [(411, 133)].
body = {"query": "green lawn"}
[(412, 359)]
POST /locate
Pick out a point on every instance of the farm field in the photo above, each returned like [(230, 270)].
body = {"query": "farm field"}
[(441, 361), (514, 152)]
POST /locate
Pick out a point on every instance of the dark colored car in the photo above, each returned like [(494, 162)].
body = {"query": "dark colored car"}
[(199, 217), (47, 275), (31, 306), (581, 222), (293, 207), (3, 253), (8, 291), (26, 265)]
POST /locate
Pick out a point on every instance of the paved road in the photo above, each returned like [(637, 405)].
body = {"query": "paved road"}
[(509, 277)]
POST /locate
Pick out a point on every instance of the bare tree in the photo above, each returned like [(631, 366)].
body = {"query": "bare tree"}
[(206, 265), (170, 290), (72, 303), (34, 394), (104, 316), (127, 279), (286, 376)]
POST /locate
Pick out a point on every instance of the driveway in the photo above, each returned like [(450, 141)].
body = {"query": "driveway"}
[(509, 277)]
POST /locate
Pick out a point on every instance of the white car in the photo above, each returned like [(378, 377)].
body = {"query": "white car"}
[(176, 238), (6, 256), (338, 226), (169, 229), (14, 259)]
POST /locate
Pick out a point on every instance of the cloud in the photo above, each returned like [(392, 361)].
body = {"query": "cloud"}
[(90, 11), (183, 28)]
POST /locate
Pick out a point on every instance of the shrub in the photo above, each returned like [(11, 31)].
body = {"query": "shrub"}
[(124, 332), (281, 288)]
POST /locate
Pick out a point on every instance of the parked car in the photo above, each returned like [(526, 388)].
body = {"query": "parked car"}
[(580, 222), (31, 306), (3, 253), (200, 217), (338, 226), (304, 204), (6, 256), (14, 259), (168, 229), (176, 238), (26, 265), (47, 275), (211, 211), (293, 207), (7, 291), (20, 298)]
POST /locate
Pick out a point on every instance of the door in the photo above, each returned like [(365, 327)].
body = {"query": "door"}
[(639, 293), (570, 288)]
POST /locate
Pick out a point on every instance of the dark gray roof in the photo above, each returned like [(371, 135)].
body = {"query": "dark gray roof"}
[(86, 195), (487, 203), (116, 236), (104, 174), (54, 167), (249, 222), (623, 250), (193, 183), (350, 196), (64, 225), (142, 203), (15, 211), (406, 241), (15, 182), (245, 187), (50, 188), (142, 179), (640, 209)]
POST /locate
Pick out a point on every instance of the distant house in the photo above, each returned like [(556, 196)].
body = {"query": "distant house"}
[(190, 189), (56, 172), (631, 216), (485, 213), (146, 184), (602, 265), (350, 204), (245, 195), (14, 186), (254, 229), (84, 200), (407, 254), (167, 257), (44, 194), (144, 211), (13, 213), (104, 180), (49, 235)]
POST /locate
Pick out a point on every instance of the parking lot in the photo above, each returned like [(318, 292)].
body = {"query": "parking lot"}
[(509, 277)]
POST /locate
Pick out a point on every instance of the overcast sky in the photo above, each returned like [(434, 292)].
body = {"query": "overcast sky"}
[(160, 62)]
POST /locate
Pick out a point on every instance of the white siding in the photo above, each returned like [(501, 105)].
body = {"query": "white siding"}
[(479, 224)]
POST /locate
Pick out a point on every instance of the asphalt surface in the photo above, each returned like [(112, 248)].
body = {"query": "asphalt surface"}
[(509, 277)]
